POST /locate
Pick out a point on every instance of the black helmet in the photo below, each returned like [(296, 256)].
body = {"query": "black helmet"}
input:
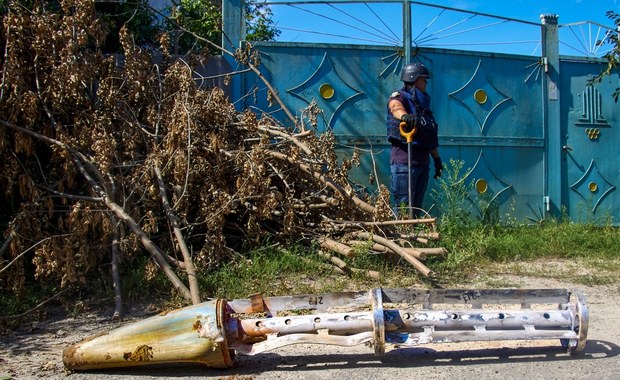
[(412, 71)]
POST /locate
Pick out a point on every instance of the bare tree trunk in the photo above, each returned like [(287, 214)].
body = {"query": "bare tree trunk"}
[(174, 221), (5, 246), (116, 278), (150, 246)]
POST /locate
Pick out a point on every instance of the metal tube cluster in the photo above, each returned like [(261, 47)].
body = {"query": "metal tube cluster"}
[(211, 332)]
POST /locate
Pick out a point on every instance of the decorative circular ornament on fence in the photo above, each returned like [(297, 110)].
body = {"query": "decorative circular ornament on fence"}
[(481, 96), (326, 90), (592, 186), (593, 133), (481, 186)]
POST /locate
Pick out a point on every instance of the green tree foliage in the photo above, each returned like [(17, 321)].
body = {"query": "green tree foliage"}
[(135, 16), (259, 23), (147, 25), (203, 17)]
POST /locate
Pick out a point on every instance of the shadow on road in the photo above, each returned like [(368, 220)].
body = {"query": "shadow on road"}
[(397, 358)]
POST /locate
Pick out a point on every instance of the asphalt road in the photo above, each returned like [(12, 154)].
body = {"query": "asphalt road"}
[(36, 352)]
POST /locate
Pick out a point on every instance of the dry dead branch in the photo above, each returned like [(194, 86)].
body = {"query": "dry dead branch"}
[(399, 250), (137, 154)]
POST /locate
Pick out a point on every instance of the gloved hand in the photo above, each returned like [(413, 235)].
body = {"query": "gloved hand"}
[(438, 167), (409, 119)]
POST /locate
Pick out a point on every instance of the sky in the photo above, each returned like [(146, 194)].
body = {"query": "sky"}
[(380, 24), (570, 11)]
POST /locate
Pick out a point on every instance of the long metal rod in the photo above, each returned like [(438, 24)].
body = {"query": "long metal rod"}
[(359, 20), (409, 189), (354, 27)]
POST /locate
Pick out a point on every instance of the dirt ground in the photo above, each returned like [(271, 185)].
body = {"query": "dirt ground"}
[(35, 351)]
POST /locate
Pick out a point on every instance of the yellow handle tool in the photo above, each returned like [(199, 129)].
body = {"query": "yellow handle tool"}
[(407, 135)]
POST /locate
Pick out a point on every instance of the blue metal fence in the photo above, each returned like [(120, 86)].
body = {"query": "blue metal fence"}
[(537, 138)]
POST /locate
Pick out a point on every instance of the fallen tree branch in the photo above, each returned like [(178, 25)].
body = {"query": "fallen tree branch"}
[(28, 250), (336, 246), (150, 246), (440, 251), (418, 253), (326, 181), (399, 222), (421, 237), (336, 261), (174, 221), (287, 136), (349, 223), (323, 265), (399, 250), (342, 266), (78, 159)]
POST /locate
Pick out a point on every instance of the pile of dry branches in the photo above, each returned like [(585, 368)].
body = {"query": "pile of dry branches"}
[(103, 159)]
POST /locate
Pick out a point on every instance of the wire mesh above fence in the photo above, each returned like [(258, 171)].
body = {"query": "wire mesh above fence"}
[(383, 23)]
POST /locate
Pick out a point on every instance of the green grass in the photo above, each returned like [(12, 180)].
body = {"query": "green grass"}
[(273, 271), (585, 255), (477, 243), (477, 249), (556, 240), (32, 296), (483, 255)]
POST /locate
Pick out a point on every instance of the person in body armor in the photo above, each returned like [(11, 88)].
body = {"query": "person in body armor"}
[(412, 106)]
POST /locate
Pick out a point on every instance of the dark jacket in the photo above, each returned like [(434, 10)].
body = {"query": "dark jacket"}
[(425, 138)]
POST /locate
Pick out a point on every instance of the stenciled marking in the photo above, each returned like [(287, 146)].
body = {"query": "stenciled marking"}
[(315, 300), (470, 296)]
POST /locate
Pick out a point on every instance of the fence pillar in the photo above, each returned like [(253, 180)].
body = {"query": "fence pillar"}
[(551, 120), (407, 31), (233, 32)]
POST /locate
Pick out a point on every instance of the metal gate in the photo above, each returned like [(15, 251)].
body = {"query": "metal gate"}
[(535, 136)]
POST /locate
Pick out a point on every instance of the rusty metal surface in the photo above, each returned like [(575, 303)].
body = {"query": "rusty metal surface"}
[(191, 334), (319, 302), (579, 324), (207, 333), (378, 318)]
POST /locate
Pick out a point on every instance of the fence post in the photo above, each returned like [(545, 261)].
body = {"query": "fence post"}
[(407, 31), (233, 32), (551, 120)]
